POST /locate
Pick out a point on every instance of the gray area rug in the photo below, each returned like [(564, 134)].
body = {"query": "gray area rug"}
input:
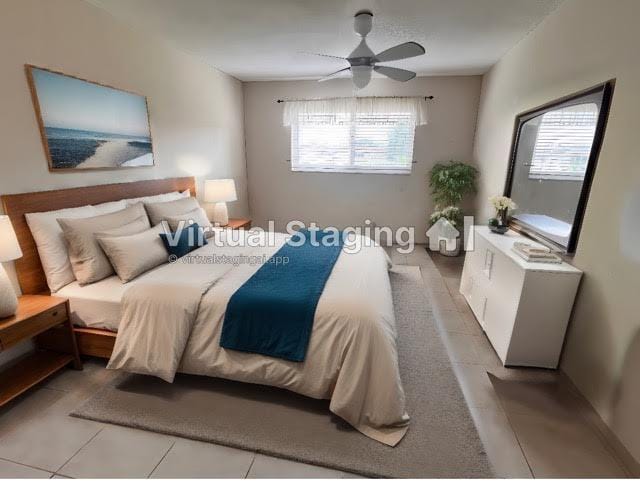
[(442, 440)]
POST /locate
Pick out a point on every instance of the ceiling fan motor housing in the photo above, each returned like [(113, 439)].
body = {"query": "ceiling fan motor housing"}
[(361, 55)]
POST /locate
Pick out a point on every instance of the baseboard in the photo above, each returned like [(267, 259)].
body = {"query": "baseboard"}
[(608, 437)]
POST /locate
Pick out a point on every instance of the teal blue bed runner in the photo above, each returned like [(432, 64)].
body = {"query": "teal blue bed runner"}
[(272, 313)]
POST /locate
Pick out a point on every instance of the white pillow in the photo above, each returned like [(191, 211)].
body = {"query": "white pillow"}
[(109, 207), (88, 262), (132, 255), (158, 212), (197, 215), (51, 244), (163, 197)]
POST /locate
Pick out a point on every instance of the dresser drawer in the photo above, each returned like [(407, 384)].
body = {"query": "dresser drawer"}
[(477, 299), (474, 283), (503, 298), (33, 326)]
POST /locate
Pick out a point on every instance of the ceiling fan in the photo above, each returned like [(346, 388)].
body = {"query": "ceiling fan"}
[(363, 61)]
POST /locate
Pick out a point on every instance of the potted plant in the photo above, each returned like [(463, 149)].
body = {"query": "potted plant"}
[(449, 183), (500, 223)]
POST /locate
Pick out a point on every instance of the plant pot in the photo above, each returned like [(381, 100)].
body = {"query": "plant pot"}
[(450, 251), (499, 225), (499, 229)]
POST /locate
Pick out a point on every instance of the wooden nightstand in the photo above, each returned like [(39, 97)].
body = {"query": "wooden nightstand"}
[(239, 223), (35, 315)]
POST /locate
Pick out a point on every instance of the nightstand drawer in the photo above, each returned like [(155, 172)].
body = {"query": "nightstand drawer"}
[(33, 326)]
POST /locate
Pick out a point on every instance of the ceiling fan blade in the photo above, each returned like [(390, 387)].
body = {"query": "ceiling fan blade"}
[(395, 73), (323, 55), (402, 51), (334, 75)]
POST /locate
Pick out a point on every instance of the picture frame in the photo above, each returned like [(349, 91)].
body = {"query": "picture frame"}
[(87, 125)]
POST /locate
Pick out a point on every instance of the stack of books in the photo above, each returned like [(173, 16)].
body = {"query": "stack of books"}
[(532, 253)]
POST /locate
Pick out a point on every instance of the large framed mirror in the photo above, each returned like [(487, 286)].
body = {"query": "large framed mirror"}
[(553, 160)]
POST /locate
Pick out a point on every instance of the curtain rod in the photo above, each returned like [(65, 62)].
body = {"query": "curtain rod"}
[(332, 98)]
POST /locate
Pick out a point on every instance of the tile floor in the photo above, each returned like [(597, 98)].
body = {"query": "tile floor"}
[(527, 419), (531, 421)]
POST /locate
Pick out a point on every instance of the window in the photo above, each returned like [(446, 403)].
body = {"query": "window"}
[(360, 135), (563, 143)]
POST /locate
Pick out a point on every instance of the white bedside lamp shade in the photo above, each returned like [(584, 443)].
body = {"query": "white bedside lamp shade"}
[(9, 250), (9, 247), (220, 192)]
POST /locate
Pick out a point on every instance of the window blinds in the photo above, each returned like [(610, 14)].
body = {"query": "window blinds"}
[(563, 143), (370, 135)]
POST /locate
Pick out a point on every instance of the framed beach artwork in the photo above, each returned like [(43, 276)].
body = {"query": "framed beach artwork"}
[(87, 126)]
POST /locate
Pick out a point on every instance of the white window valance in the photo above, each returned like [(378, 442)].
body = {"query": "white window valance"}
[(415, 107)]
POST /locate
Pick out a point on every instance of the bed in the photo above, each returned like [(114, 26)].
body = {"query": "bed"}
[(96, 306), (91, 341), (351, 358)]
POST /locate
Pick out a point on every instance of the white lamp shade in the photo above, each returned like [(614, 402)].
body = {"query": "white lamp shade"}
[(9, 247), (223, 190)]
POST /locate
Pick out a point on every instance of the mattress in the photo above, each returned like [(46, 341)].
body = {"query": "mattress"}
[(95, 305)]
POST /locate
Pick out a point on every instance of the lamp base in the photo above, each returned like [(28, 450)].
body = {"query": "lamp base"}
[(220, 214), (8, 298)]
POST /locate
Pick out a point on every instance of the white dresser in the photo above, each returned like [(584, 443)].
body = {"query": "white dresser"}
[(523, 307)]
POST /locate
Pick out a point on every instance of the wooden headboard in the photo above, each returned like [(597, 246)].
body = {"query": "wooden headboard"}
[(30, 273)]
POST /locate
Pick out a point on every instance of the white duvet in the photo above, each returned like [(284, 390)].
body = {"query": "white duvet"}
[(172, 320)]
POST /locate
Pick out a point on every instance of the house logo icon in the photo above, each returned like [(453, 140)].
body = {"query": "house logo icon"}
[(441, 232)]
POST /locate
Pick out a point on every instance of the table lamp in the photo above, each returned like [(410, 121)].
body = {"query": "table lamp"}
[(9, 250), (220, 192)]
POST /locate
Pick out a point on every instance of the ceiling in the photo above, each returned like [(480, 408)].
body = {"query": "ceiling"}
[(266, 39)]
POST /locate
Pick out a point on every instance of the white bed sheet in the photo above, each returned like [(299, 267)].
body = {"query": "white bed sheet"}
[(96, 305)]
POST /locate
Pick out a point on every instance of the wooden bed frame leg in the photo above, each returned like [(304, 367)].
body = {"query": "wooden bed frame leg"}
[(77, 362)]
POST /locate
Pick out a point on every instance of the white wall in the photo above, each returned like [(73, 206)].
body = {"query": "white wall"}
[(276, 193), (196, 112), (584, 43)]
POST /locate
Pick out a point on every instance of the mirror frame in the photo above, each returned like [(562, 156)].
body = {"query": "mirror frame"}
[(607, 92)]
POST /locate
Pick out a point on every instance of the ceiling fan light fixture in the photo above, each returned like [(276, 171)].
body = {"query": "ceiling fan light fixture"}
[(361, 75)]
